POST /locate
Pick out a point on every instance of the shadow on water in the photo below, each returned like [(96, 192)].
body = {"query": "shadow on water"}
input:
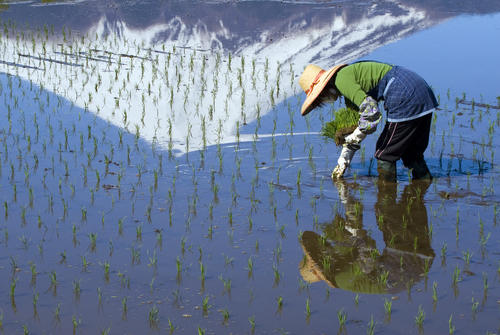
[(345, 256)]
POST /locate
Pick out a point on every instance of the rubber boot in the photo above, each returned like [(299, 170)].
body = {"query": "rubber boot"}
[(386, 170), (420, 171)]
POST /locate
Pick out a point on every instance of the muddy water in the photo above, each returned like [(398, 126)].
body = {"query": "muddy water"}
[(102, 231)]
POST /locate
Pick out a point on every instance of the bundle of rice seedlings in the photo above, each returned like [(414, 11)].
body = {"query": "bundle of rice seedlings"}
[(344, 123)]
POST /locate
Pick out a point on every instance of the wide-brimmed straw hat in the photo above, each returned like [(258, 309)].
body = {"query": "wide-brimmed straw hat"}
[(309, 268), (313, 80)]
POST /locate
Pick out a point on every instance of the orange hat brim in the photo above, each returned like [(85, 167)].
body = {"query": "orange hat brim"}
[(310, 271)]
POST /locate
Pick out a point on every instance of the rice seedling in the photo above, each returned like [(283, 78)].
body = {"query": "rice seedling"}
[(76, 323), (371, 326), (277, 275), (279, 302), (228, 260), (456, 276), (153, 260), (53, 279), (485, 283), (106, 267), (225, 316), (252, 323), (178, 265), (426, 269), (342, 317), (171, 327), (154, 316), (24, 241), (444, 248), (383, 277), (434, 292), (467, 255), (475, 305), (57, 313), (76, 288), (13, 284), (451, 327), (388, 308), (34, 273), (419, 319), (250, 266), (63, 257), (227, 284), (205, 305), (135, 255), (93, 241)]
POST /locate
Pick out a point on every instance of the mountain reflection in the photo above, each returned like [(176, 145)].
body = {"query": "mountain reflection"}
[(237, 26), (345, 255), (162, 69)]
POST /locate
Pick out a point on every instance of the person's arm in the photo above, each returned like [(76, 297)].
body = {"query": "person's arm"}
[(352, 82), (345, 158), (370, 116)]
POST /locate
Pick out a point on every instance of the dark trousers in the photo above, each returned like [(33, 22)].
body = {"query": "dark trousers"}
[(406, 140)]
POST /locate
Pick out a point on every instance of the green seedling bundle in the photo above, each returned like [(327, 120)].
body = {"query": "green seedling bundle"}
[(344, 122)]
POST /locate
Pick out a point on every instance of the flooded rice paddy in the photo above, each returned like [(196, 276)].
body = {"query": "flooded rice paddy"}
[(157, 177)]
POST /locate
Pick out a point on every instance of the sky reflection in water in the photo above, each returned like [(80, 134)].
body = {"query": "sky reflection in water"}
[(461, 54)]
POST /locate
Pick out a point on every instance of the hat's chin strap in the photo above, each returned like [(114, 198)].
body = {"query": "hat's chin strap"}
[(315, 81)]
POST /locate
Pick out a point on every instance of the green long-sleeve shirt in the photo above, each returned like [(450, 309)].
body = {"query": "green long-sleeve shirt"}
[(356, 80)]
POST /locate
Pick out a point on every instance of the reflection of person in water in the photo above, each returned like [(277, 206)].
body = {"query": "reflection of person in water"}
[(408, 100), (345, 256)]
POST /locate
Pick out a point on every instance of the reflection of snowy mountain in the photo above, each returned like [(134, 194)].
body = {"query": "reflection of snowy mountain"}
[(247, 21), (182, 81), (332, 39)]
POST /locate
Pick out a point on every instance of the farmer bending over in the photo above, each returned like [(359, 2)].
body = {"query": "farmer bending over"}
[(408, 101)]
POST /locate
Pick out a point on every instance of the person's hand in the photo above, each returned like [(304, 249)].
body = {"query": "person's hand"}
[(355, 137), (344, 161)]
